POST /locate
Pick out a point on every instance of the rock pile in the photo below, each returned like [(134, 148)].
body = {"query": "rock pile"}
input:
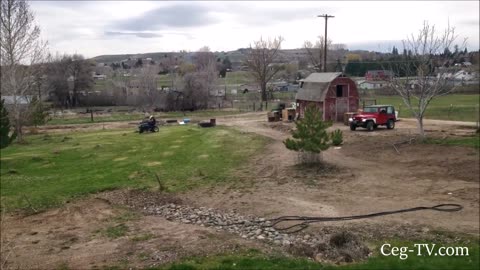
[(248, 227)]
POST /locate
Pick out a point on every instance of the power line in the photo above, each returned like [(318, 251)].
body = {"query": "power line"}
[(326, 16)]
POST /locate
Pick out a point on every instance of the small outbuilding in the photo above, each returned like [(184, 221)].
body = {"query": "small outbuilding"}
[(334, 93)]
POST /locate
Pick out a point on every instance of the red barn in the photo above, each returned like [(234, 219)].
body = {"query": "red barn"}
[(334, 93)]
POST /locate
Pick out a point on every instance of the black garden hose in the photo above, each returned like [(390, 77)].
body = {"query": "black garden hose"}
[(305, 220)]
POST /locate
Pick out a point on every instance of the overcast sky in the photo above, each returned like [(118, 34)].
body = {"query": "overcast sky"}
[(126, 27)]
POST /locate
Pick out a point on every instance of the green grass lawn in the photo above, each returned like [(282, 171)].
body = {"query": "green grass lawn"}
[(450, 107), (233, 78), (51, 169), (119, 116), (257, 261), (239, 77)]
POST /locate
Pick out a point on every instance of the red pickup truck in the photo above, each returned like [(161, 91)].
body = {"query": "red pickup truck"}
[(373, 116)]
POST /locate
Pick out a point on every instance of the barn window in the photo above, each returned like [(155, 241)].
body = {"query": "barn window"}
[(340, 92)]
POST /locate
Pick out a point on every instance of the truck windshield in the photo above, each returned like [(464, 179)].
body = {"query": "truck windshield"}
[(370, 109)]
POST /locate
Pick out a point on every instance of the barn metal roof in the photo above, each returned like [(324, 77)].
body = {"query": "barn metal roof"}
[(322, 77), (316, 85)]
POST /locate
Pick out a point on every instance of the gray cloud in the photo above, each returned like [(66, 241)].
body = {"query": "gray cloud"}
[(163, 18), (250, 15), (138, 34)]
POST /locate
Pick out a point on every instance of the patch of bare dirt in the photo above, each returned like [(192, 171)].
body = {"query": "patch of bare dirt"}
[(77, 236), (371, 177)]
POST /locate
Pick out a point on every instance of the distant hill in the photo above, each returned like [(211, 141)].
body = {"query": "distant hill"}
[(234, 56), (119, 57), (239, 55)]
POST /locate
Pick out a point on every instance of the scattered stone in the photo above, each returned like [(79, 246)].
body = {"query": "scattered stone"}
[(246, 227), (286, 243)]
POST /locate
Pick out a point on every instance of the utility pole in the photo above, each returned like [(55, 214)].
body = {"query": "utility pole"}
[(326, 16)]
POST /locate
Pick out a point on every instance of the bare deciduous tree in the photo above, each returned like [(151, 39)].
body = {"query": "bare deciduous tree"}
[(261, 63), (197, 86), (425, 70), (315, 52), (169, 65), (67, 76), (148, 84), (57, 75), (204, 58), (21, 52), (81, 72)]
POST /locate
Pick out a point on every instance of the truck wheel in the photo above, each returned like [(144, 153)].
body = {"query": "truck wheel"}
[(353, 127), (370, 126), (390, 124)]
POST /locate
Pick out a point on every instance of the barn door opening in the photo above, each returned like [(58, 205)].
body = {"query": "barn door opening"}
[(341, 101), (341, 91)]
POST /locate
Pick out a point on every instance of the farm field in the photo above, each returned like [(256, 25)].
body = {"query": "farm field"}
[(454, 107), (94, 192), (232, 78)]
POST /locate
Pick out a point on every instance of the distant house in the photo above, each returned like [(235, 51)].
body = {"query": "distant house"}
[(279, 86), (20, 99), (99, 77), (334, 93), (459, 75), (463, 64), (372, 84), (378, 75), (220, 92), (463, 75)]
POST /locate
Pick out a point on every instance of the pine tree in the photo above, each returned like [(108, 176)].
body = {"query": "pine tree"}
[(5, 137), (310, 137)]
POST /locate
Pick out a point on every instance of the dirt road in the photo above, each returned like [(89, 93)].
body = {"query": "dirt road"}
[(370, 176)]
